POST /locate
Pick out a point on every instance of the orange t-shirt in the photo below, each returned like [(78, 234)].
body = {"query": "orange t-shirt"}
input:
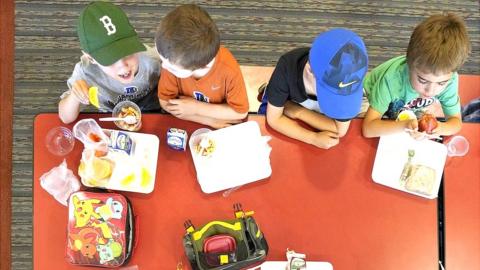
[(222, 84)]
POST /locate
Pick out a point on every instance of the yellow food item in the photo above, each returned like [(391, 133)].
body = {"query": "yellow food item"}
[(128, 180), (93, 96), (127, 111), (406, 115), (93, 182), (205, 147), (146, 177), (81, 168), (95, 173), (101, 168)]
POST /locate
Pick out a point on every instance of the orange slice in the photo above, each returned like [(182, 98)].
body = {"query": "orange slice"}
[(128, 180), (146, 177), (93, 96)]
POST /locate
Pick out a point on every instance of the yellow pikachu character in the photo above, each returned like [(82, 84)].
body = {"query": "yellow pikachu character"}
[(84, 211)]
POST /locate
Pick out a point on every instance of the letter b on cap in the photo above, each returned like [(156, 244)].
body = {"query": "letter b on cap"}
[(107, 23)]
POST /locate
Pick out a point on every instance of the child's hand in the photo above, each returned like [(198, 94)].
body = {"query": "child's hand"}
[(439, 129), (417, 135), (325, 139), (182, 106), (412, 128), (412, 124), (80, 91)]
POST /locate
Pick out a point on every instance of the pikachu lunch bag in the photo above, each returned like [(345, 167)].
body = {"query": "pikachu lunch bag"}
[(100, 229)]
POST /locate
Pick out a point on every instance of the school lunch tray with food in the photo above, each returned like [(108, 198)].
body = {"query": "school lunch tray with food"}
[(129, 169), (409, 165), (230, 157)]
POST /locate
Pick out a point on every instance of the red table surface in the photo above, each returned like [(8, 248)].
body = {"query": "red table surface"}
[(319, 202), (468, 88), (462, 204)]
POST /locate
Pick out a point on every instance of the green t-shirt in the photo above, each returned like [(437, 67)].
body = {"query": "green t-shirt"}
[(389, 90)]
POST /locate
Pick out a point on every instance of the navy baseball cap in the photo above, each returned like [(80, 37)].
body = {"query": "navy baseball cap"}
[(339, 61)]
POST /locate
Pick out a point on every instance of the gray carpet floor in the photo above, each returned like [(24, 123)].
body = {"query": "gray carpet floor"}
[(257, 32)]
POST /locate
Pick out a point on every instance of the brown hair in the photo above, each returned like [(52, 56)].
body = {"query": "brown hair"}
[(188, 37), (439, 44)]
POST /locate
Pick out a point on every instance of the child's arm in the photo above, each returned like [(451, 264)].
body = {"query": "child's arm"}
[(184, 106), (314, 119), (69, 106), (206, 120), (375, 126), (212, 122), (450, 127), (283, 124)]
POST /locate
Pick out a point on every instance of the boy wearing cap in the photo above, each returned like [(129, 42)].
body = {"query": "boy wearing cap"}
[(426, 75), (320, 86), (114, 61), (200, 81)]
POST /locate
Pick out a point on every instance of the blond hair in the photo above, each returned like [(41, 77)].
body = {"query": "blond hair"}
[(187, 36), (439, 44)]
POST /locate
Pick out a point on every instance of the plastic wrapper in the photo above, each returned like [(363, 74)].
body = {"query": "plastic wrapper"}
[(92, 136), (95, 171), (60, 182), (95, 168)]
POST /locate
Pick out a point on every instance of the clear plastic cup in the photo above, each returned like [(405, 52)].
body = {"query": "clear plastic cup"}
[(125, 108), (200, 131), (60, 141), (457, 146), (195, 137)]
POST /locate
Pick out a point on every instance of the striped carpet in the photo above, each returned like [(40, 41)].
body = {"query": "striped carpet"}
[(257, 32)]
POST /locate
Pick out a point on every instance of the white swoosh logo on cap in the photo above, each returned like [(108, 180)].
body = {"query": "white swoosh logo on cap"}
[(342, 85)]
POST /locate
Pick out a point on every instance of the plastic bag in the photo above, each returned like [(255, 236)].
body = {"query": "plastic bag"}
[(92, 136), (95, 171), (60, 182)]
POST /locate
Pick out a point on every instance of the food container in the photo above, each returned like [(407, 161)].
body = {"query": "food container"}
[(218, 169), (130, 165), (398, 154), (124, 109), (177, 138)]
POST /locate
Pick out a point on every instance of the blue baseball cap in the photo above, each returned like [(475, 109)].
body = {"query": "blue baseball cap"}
[(339, 61)]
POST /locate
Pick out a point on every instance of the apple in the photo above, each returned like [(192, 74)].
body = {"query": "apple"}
[(427, 123)]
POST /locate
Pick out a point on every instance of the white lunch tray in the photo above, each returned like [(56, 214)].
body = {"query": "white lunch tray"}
[(392, 154), (241, 156), (141, 166)]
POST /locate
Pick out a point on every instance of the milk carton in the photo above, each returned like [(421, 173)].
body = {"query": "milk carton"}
[(177, 138)]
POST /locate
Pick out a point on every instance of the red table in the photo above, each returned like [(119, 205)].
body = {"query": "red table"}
[(462, 204), (468, 88), (320, 202)]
